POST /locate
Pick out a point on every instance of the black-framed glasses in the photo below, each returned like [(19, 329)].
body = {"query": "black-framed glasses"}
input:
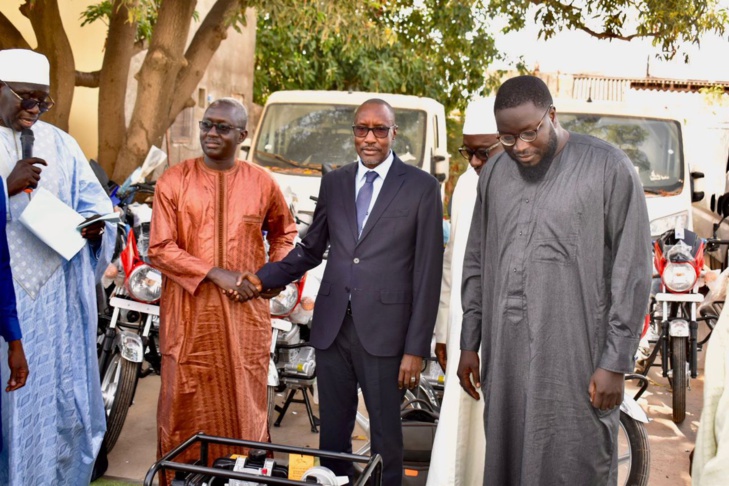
[(221, 128), (361, 131), (28, 104), (527, 135), (481, 153)]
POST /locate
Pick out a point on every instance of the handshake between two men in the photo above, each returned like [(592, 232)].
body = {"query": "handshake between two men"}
[(240, 286)]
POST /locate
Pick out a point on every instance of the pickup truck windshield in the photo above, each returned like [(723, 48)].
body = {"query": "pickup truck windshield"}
[(299, 138), (654, 146)]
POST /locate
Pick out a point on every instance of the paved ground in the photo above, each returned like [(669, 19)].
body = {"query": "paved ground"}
[(670, 444)]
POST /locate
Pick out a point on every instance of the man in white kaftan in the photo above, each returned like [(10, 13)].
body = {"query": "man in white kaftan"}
[(54, 426), (711, 456), (459, 446)]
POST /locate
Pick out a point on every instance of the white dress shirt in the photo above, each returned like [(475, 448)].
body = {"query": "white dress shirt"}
[(382, 170)]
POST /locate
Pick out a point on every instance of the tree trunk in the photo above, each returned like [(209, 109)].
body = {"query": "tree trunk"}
[(113, 82), (207, 39), (168, 79), (45, 18), (159, 70)]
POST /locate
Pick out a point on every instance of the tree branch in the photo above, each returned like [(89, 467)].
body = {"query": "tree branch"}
[(612, 35), (155, 88), (207, 39), (10, 37), (45, 18), (120, 48), (88, 80)]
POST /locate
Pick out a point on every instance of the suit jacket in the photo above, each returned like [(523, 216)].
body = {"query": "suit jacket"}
[(391, 273)]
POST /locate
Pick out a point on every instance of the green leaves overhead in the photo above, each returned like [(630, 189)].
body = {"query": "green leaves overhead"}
[(670, 25), (434, 48)]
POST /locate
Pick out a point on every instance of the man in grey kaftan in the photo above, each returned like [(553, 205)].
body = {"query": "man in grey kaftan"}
[(560, 234)]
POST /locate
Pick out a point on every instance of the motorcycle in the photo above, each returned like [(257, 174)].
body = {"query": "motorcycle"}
[(292, 366), (130, 335), (675, 299)]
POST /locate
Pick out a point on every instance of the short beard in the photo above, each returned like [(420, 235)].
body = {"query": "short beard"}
[(536, 173)]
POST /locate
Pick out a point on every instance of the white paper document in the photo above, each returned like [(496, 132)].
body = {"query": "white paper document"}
[(54, 223)]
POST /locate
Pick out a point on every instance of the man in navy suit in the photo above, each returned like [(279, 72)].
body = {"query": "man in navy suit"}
[(376, 308)]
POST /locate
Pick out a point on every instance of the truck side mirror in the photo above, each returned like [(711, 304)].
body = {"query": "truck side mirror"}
[(697, 195), (722, 206), (440, 166), (245, 148)]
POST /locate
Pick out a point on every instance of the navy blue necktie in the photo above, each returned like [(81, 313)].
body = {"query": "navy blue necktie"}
[(364, 197)]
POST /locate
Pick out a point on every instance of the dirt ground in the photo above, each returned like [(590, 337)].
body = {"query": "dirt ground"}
[(670, 444)]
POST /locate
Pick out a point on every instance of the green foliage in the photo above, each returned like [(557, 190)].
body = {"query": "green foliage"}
[(670, 25), (144, 14), (433, 48)]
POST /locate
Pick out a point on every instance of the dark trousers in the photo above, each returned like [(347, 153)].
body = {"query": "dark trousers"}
[(339, 369)]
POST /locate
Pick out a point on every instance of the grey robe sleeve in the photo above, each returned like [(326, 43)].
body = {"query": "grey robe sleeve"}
[(627, 235), (471, 286)]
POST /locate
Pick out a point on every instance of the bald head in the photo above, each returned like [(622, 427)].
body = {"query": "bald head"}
[(379, 103), (238, 111)]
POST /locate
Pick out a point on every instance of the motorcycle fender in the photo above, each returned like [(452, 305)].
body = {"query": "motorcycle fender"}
[(131, 346), (678, 328), (633, 410), (281, 325), (272, 374)]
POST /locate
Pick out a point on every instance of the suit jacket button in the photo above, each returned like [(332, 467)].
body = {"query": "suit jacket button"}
[(356, 260)]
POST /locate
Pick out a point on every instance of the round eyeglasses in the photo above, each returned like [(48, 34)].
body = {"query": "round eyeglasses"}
[(509, 140)]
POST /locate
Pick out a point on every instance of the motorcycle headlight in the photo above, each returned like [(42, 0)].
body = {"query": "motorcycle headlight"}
[(145, 283), (661, 225), (285, 302), (679, 277)]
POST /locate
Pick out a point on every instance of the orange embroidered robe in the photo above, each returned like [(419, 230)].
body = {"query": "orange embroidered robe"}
[(215, 352)]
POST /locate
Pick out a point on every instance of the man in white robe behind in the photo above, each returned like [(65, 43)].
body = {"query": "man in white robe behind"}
[(711, 457), (459, 446), (53, 427)]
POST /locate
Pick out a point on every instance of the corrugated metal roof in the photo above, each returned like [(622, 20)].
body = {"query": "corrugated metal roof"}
[(614, 88)]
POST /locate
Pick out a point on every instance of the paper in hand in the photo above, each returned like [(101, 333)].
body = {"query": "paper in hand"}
[(54, 223)]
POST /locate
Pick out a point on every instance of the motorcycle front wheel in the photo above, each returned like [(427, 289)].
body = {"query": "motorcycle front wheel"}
[(679, 380), (634, 460), (117, 389)]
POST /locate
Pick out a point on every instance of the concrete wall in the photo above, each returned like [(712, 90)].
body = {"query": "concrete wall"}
[(230, 73)]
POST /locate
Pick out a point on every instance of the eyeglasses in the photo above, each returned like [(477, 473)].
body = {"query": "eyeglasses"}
[(221, 128), (28, 104), (481, 154), (361, 131), (527, 135)]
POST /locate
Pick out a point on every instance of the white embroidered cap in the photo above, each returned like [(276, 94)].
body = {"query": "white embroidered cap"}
[(24, 66), (480, 117)]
